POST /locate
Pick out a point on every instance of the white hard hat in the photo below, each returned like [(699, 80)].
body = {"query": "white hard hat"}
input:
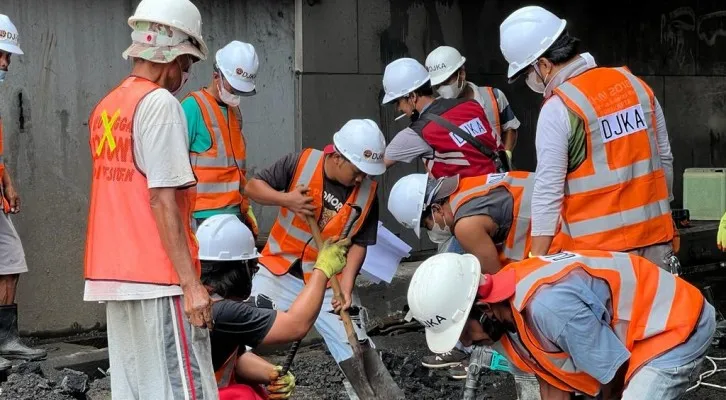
[(402, 77), (239, 63), (362, 143), (414, 193), (526, 34), (442, 62), (224, 237), (178, 14), (9, 36), (440, 297)]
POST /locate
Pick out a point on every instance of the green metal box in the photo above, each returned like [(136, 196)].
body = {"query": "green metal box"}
[(704, 193)]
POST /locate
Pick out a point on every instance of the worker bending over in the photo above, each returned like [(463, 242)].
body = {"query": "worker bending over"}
[(451, 136), (448, 78), (591, 322), (603, 155), (12, 256), (229, 262), (141, 255), (334, 189), (216, 142)]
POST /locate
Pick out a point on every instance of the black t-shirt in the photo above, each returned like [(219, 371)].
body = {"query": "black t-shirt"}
[(236, 325), (279, 176)]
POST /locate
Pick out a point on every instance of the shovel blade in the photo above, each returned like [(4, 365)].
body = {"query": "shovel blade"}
[(355, 373), (379, 378)]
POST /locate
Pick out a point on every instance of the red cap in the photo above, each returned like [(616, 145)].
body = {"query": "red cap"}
[(496, 288), (329, 149)]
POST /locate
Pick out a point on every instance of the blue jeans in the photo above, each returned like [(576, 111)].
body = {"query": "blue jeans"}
[(662, 383)]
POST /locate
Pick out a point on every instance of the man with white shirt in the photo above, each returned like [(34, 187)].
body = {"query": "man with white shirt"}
[(141, 255), (603, 156)]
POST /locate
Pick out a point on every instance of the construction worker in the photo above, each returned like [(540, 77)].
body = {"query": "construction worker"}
[(603, 155), (451, 136), (334, 189), (216, 142), (141, 254), (489, 217), (12, 256), (229, 261), (448, 79), (590, 322)]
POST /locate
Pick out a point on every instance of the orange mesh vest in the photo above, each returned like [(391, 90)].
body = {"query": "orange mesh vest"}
[(122, 241), (5, 204), (290, 237), (221, 169), (491, 109), (653, 311), (617, 199)]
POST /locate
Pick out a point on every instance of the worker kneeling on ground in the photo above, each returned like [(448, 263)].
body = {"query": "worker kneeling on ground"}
[(334, 188), (229, 262), (218, 151), (589, 322)]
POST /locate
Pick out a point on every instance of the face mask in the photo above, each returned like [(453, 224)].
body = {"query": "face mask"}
[(437, 234), (185, 76), (227, 97), (536, 85), (451, 91), (2, 75)]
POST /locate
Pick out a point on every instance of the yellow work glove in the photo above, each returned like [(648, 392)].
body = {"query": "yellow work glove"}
[(509, 154), (331, 258), (251, 215), (281, 387), (721, 236)]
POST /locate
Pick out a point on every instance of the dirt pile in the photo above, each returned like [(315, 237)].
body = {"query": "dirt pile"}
[(27, 382)]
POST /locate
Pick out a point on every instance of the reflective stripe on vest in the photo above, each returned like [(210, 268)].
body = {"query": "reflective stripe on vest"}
[(491, 108), (220, 169), (641, 182), (123, 239), (652, 310), (290, 237), (225, 374), (520, 185)]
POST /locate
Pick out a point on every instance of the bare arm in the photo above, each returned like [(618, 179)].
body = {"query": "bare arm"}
[(295, 323), (171, 231), (11, 195), (614, 389), (252, 368), (261, 192), (549, 392), (388, 162), (354, 262), (509, 138), (474, 234)]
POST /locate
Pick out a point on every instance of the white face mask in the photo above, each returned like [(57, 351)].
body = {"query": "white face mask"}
[(438, 234), (2, 75), (227, 97), (185, 77), (453, 90), (534, 83)]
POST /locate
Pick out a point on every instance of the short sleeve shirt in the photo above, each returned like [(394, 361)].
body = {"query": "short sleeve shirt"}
[(498, 204), (237, 324)]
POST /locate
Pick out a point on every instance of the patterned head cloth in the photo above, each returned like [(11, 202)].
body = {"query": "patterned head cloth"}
[(160, 43)]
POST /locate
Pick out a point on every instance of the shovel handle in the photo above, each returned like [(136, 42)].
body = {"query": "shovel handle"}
[(337, 293)]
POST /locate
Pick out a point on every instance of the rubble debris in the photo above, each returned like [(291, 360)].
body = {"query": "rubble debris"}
[(28, 367), (73, 382), (100, 389), (31, 387)]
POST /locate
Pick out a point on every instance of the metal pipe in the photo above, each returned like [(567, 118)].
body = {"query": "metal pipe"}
[(478, 362)]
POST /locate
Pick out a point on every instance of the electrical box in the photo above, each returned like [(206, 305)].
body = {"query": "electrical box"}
[(704, 193)]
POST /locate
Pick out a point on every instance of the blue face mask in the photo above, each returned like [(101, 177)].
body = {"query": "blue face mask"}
[(2, 75)]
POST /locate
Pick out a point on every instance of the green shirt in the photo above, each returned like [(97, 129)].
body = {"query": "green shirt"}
[(200, 140), (577, 149)]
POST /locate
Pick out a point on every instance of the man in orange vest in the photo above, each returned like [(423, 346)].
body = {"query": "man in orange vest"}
[(591, 322), (334, 188), (12, 256), (604, 163), (216, 142), (141, 255)]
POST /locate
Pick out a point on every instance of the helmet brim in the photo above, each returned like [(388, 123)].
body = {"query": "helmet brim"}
[(11, 48), (371, 169)]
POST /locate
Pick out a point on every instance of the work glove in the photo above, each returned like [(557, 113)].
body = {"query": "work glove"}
[(721, 236), (331, 258), (509, 154), (282, 386), (251, 216)]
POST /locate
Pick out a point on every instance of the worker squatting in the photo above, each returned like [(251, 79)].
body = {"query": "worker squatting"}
[(568, 272)]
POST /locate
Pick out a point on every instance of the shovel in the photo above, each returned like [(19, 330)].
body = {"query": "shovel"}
[(367, 373)]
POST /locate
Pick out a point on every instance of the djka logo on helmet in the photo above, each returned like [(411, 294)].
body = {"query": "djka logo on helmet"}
[(437, 67), (244, 74), (370, 155), (13, 37)]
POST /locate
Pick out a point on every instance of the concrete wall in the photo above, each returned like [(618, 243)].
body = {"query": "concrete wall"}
[(677, 46), (73, 57)]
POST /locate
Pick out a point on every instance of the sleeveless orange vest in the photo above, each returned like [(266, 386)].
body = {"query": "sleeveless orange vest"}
[(5, 204), (520, 185), (122, 241), (290, 237), (653, 311), (617, 199), (221, 169), (491, 108)]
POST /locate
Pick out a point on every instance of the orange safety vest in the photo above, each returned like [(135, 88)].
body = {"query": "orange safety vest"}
[(290, 237), (221, 169), (491, 108), (225, 375), (520, 184), (5, 204), (653, 311), (617, 199), (122, 240)]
